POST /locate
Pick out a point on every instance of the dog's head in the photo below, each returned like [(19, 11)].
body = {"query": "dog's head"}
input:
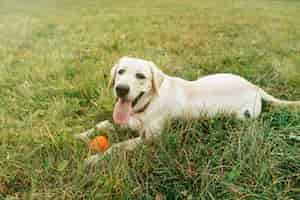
[(135, 82)]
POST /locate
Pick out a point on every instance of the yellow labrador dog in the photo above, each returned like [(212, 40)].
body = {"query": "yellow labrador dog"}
[(147, 98)]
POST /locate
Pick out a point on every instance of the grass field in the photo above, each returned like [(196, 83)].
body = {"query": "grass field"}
[(55, 58)]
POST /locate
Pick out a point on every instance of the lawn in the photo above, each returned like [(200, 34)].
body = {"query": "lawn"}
[(55, 59)]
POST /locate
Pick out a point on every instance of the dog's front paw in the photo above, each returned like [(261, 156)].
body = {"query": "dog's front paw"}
[(105, 126), (97, 158), (94, 159), (82, 136)]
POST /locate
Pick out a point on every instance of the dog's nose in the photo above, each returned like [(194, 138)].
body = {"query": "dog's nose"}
[(122, 90)]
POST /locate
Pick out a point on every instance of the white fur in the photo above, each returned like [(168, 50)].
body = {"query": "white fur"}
[(173, 97)]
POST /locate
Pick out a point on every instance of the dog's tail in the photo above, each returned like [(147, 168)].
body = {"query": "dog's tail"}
[(269, 98)]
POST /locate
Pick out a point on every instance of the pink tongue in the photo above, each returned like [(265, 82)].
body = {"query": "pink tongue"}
[(122, 111)]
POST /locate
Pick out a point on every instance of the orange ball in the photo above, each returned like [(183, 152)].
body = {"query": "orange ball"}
[(99, 143)]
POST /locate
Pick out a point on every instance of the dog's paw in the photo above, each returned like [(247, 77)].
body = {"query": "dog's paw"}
[(93, 160), (97, 158), (105, 126), (82, 136)]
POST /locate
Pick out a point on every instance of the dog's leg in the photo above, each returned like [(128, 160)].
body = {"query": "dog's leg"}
[(104, 126), (127, 145), (146, 134), (85, 136)]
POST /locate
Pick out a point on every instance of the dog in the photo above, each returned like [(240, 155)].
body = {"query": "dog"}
[(147, 98)]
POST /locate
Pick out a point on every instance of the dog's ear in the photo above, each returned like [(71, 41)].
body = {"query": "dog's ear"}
[(157, 77), (113, 73)]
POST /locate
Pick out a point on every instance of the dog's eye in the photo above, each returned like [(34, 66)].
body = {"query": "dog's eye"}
[(121, 71), (140, 76)]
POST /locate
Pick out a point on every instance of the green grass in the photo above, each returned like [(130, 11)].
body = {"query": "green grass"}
[(55, 58)]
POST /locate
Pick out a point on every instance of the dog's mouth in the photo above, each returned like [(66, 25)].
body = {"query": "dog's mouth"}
[(137, 99), (123, 109)]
